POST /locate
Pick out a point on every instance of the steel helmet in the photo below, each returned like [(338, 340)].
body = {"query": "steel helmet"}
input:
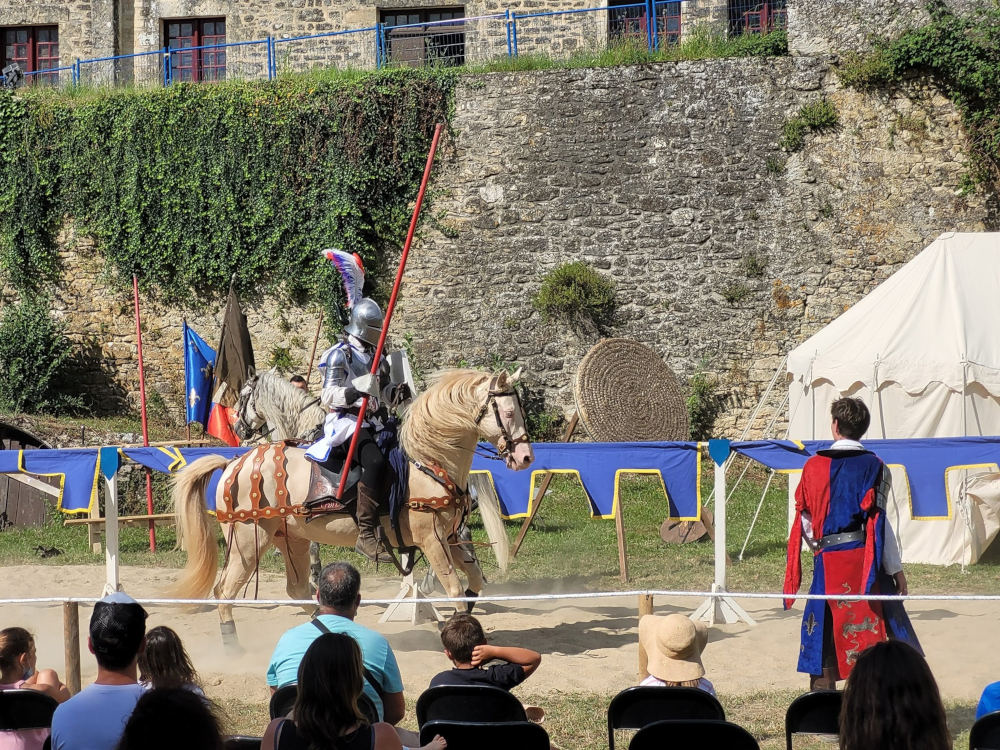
[(366, 321)]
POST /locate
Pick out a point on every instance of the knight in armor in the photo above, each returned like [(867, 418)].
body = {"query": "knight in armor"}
[(346, 380)]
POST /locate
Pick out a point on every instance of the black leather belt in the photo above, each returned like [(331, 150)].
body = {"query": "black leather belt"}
[(848, 536)]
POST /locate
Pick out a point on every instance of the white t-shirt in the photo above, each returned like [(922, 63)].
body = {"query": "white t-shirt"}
[(94, 718), (703, 684)]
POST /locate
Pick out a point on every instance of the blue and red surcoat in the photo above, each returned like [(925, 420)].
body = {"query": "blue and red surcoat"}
[(838, 493)]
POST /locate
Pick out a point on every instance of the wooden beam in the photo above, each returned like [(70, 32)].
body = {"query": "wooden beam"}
[(156, 517), (71, 645), (35, 484), (542, 489), (620, 533)]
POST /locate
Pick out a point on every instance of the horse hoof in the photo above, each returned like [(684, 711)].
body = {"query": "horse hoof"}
[(230, 641), (470, 605)]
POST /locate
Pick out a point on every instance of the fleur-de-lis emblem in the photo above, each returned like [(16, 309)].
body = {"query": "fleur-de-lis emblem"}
[(193, 398), (810, 624)]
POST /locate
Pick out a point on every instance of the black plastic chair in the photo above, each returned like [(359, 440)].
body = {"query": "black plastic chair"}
[(284, 697), (817, 712), (678, 733), (26, 709), (985, 734), (494, 735), (282, 701), (635, 707), (241, 742), (469, 704)]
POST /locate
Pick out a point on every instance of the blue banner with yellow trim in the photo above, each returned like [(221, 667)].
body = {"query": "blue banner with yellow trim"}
[(599, 467)]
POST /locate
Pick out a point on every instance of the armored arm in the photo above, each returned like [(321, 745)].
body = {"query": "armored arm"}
[(338, 392)]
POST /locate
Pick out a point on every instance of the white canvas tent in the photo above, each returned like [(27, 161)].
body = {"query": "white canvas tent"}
[(923, 351)]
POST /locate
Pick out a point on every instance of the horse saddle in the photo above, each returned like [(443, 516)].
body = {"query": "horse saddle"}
[(323, 484)]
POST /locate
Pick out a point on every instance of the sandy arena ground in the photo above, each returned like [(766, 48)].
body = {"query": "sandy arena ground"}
[(588, 645)]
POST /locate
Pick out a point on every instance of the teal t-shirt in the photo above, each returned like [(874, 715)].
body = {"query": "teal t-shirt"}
[(375, 653)]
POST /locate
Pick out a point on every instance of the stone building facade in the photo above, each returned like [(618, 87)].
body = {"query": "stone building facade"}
[(726, 251), (90, 29)]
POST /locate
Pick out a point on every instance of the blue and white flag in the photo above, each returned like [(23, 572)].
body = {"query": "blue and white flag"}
[(199, 359)]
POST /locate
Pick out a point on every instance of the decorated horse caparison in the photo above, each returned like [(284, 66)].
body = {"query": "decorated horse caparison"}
[(260, 496)]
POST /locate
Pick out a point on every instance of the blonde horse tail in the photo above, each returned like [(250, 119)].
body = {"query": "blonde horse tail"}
[(196, 528), (489, 511)]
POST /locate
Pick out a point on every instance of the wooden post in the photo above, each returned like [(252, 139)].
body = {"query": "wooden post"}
[(111, 580), (312, 357), (620, 533), (94, 529), (645, 608), (542, 489), (71, 644)]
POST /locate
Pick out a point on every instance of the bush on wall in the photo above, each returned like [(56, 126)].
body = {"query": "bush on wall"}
[(36, 359), (577, 293), (192, 185)]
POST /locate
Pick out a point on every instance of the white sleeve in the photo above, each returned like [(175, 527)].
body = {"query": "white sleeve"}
[(892, 560), (807, 531)]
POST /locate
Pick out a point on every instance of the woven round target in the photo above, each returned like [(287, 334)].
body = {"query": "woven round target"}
[(625, 392)]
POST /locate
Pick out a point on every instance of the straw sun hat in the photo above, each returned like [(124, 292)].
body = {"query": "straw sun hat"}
[(673, 645)]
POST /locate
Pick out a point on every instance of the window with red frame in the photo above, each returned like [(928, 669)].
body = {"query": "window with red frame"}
[(34, 48), (627, 22), (199, 64)]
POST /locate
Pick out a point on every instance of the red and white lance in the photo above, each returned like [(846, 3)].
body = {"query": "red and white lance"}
[(377, 356)]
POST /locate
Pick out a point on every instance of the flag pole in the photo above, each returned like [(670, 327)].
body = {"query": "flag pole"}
[(142, 411), (377, 356), (312, 357)]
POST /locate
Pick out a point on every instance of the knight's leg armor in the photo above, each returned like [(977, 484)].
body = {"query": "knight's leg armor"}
[(372, 467)]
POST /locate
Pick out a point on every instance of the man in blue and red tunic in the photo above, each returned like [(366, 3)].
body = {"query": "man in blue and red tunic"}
[(840, 515)]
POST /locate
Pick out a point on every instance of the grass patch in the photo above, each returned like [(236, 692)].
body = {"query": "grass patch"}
[(565, 547)]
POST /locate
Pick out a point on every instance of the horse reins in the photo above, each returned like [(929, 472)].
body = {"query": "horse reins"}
[(506, 444)]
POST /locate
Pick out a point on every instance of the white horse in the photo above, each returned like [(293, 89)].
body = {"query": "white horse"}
[(440, 430)]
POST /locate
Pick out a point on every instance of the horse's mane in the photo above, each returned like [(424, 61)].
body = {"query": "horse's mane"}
[(289, 401), (442, 416)]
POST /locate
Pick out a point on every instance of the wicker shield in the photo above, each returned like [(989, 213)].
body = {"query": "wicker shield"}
[(625, 392)]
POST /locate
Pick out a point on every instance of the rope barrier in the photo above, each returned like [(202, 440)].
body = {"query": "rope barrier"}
[(530, 598)]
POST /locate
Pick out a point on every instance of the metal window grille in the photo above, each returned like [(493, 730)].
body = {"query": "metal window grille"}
[(34, 48), (756, 17), (425, 37), (198, 64), (627, 22)]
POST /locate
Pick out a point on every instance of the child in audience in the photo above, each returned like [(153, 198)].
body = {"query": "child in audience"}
[(326, 712), (18, 662), (465, 644), (673, 646), (165, 664), (172, 718), (989, 701), (17, 671), (891, 702)]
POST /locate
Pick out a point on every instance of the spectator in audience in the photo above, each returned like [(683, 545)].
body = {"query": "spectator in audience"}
[(673, 646), (165, 664), (465, 644), (17, 671), (94, 718), (299, 382), (989, 701), (840, 516), (172, 719), (891, 702), (339, 597), (18, 666), (326, 712)]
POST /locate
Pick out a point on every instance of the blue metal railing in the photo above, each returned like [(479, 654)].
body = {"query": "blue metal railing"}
[(448, 42)]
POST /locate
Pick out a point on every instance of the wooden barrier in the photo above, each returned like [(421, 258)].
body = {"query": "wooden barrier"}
[(71, 645), (645, 608)]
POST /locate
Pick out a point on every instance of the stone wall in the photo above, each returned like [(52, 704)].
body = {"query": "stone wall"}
[(726, 251), (100, 319), (834, 26)]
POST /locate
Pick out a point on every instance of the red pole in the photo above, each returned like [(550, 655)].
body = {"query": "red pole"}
[(377, 356), (142, 410)]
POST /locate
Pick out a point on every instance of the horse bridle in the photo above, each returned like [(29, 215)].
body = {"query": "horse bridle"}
[(506, 444)]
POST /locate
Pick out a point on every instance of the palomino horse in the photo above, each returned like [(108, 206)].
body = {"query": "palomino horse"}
[(439, 434)]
